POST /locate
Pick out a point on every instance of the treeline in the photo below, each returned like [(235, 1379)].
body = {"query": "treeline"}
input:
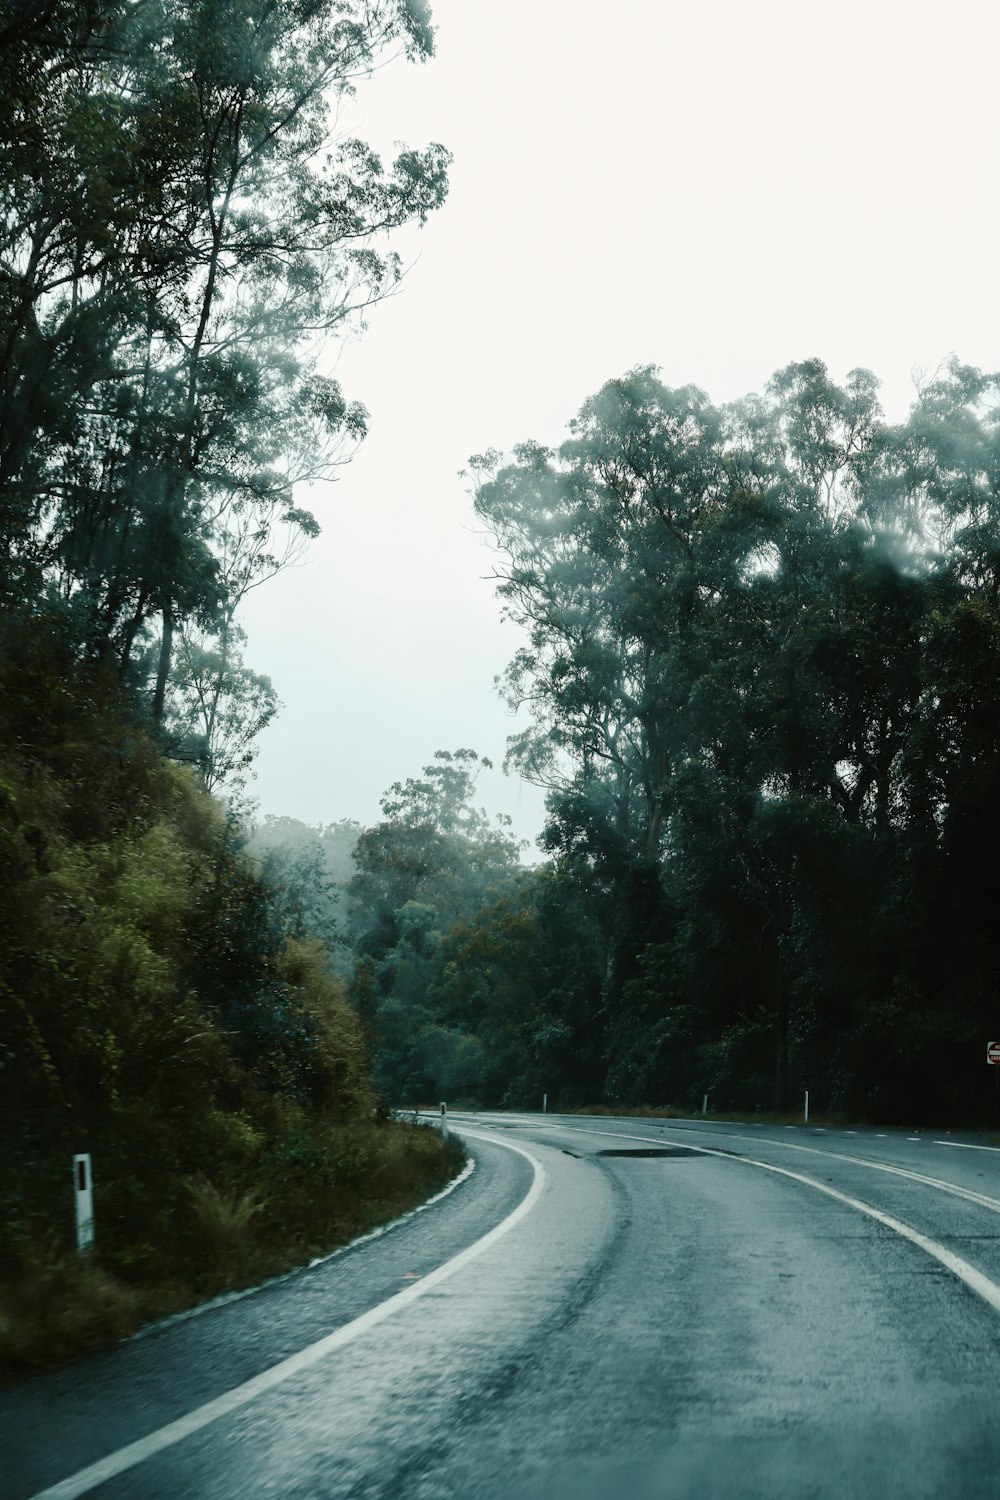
[(465, 969), (761, 669), (179, 226), (763, 677)]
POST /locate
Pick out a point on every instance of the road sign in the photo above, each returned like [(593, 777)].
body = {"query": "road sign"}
[(993, 1052)]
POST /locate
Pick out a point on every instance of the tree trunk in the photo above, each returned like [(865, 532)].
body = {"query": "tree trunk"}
[(163, 666), (781, 1047)]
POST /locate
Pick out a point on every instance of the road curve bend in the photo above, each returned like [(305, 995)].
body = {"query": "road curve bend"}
[(638, 1308)]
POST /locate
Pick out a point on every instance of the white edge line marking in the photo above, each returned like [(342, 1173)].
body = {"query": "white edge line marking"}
[(973, 1279), (970, 1195), (148, 1329), (965, 1146), (175, 1432), (982, 1200)]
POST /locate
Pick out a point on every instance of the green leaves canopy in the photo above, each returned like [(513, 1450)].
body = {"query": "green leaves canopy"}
[(179, 227), (761, 643)]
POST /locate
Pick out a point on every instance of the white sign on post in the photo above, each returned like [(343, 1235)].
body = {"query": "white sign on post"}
[(993, 1052), (83, 1192)]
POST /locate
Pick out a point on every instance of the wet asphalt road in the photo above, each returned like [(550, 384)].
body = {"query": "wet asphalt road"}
[(650, 1325)]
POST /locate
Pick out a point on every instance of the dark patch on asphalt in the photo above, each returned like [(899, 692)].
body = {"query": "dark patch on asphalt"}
[(677, 1151)]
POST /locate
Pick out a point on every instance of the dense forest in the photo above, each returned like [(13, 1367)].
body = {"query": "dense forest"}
[(760, 680), (180, 225)]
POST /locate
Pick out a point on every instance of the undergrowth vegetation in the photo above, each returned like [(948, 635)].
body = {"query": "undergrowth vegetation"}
[(157, 1011)]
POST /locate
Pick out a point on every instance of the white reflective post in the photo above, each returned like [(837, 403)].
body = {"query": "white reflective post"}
[(444, 1122), (807, 1107), (545, 1104), (83, 1193), (704, 1104)]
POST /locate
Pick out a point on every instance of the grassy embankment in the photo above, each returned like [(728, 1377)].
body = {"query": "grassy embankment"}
[(159, 1010), (675, 1112)]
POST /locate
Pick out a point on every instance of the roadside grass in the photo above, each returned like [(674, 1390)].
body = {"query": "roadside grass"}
[(762, 1117), (310, 1195), (735, 1117), (67, 1304), (671, 1112), (224, 1226), (667, 1112), (816, 1119)]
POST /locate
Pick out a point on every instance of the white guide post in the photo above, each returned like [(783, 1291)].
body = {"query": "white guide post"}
[(807, 1107), (704, 1104), (444, 1122), (545, 1104), (83, 1193)]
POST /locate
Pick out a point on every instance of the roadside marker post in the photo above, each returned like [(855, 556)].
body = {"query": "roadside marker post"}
[(83, 1193), (993, 1057), (704, 1104), (545, 1104), (444, 1122), (807, 1107)]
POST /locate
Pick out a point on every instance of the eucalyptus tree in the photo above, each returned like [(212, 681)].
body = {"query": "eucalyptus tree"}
[(761, 667), (941, 476), (217, 708), (618, 550), (434, 860), (599, 541), (434, 847), (693, 582), (92, 221), (182, 226)]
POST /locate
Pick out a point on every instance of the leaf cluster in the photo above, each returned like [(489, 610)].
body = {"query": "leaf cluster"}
[(761, 647)]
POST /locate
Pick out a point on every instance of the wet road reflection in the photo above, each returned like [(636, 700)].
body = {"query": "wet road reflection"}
[(658, 1322)]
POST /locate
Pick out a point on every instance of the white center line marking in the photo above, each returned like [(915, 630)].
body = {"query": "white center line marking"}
[(973, 1279)]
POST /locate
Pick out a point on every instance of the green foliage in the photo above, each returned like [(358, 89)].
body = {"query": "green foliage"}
[(761, 674), (433, 847), (308, 870), (430, 864), (222, 1224), (160, 1009), (179, 221), (217, 707)]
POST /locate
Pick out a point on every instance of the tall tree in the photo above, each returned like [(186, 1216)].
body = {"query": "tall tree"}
[(743, 629), (217, 708), (179, 230)]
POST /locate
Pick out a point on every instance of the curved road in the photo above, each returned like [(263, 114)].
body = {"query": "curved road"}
[(651, 1309)]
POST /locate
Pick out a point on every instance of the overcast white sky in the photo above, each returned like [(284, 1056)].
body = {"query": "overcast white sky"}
[(717, 188)]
